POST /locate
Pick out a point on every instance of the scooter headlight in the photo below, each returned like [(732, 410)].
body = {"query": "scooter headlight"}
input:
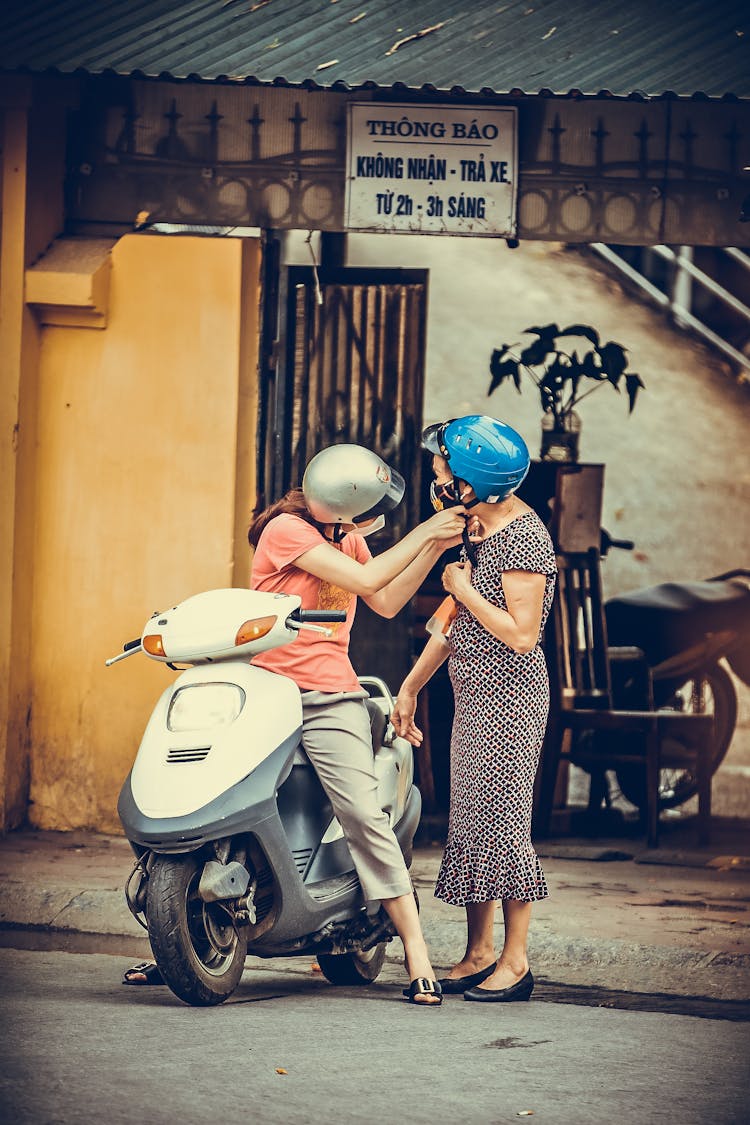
[(202, 706)]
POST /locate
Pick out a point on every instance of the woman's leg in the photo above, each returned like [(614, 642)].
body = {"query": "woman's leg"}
[(480, 940), (336, 736), (404, 914), (513, 962)]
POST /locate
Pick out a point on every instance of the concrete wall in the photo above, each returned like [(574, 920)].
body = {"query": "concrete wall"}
[(145, 447)]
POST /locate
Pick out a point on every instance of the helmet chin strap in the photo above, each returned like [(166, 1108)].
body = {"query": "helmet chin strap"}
[(469, 547), (339, 534), (377, 525)]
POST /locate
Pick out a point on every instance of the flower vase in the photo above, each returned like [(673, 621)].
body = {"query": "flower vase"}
[(560, 437)]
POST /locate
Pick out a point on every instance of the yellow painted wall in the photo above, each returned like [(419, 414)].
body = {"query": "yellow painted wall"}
[(142, 486), (32, 126)]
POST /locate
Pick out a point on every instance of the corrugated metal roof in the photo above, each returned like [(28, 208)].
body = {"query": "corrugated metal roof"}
[(648, 46)]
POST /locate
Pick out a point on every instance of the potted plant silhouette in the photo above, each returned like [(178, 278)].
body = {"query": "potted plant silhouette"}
[(559, 375)]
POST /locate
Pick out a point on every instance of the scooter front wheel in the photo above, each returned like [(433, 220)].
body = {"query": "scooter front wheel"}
[(353, 968), (200, 952)]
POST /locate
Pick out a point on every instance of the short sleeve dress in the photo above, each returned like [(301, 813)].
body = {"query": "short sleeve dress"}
[(501, 707)]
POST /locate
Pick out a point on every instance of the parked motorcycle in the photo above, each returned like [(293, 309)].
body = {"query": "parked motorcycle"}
[(237, 849), (686, 630)]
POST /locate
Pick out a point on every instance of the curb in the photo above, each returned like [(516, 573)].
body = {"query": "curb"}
[(75, 920)]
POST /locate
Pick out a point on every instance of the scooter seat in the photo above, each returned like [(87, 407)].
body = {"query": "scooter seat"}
[(664, 619), (300, 757), (378, 723)]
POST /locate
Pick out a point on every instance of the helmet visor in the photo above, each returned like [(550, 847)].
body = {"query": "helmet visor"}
[(433, 439), (390, 499)]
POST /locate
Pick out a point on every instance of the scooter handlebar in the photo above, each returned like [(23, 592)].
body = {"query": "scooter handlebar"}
[(323, 616), (128, 649), (607, 541)]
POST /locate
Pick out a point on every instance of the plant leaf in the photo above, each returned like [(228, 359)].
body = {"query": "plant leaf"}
[(613, 360), (537, 352), (502, 369), (549, 331), (558, 372), (502, 351), (581, 330), (632, 383), (590, 367)]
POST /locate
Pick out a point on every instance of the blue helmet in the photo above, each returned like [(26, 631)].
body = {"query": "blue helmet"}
[(486, 453)]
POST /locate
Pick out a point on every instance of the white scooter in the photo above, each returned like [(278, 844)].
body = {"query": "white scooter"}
[(237, 847)]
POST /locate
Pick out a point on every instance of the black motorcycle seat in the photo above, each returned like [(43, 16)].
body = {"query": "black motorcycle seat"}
[(665, 619)]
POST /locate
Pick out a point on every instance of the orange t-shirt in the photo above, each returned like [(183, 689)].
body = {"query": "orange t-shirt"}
[(314, 662)]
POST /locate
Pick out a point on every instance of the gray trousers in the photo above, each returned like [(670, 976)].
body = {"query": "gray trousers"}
[(336, 737)]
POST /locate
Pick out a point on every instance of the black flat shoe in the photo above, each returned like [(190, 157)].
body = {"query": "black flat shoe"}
[(424, 987), (452, 986), (521, 990)]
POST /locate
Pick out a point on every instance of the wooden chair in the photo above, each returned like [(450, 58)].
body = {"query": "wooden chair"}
[(581, 666)]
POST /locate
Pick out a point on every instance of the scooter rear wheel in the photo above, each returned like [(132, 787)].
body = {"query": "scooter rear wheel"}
[(712, 693), (353, 968), (199, 951)]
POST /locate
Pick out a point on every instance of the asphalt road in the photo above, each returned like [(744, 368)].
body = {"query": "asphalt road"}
[(79, 1047)]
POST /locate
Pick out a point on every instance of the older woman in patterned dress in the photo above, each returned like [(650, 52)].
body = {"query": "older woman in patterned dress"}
[(501, 690)]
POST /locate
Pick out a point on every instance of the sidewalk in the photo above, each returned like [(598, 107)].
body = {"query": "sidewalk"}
[(672, 921)]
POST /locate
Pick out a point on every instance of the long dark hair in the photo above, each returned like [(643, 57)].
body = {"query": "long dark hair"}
[(292, 503)]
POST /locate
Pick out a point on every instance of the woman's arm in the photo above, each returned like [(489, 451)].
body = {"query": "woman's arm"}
[(433, 655), (365, 579), (394, 596), (519, 625)]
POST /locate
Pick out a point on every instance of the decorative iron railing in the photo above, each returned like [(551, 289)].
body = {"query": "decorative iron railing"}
[(677, 298)]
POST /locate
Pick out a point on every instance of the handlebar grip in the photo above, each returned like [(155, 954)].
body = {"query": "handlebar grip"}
[(606, 542), (323, 616), (132, 644)]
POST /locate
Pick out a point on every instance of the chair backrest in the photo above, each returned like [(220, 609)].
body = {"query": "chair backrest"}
[(579, 634)]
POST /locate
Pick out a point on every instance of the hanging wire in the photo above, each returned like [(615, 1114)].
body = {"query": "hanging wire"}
[(318, 290)]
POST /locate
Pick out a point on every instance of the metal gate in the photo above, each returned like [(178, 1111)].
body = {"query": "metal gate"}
[(349, 367)]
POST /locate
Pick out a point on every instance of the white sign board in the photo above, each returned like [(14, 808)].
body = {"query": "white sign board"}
[(431, 169)]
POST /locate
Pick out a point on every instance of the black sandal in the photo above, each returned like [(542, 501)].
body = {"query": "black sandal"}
[(422, 986), (148, 969)]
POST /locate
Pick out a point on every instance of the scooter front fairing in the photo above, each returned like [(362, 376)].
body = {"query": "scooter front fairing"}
[(219, 743)]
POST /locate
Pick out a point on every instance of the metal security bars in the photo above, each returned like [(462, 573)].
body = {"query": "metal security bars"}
[(355, 370)]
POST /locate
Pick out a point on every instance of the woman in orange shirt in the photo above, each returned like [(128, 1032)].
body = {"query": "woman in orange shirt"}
[(312, 543)]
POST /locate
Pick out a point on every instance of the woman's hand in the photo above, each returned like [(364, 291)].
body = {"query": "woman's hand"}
[(457, 579), (447, 527), (403, 717)]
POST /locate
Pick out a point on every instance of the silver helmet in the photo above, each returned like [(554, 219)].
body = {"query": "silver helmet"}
[(350, 484)]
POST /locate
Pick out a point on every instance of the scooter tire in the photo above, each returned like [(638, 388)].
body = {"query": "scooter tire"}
[(353, 968), (675, 790), (191, 965)]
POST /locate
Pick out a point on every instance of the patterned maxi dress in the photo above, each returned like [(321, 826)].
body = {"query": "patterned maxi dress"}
[(502, 701)]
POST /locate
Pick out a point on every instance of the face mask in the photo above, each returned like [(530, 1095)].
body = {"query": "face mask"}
[(446, 496), (443, 495)]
